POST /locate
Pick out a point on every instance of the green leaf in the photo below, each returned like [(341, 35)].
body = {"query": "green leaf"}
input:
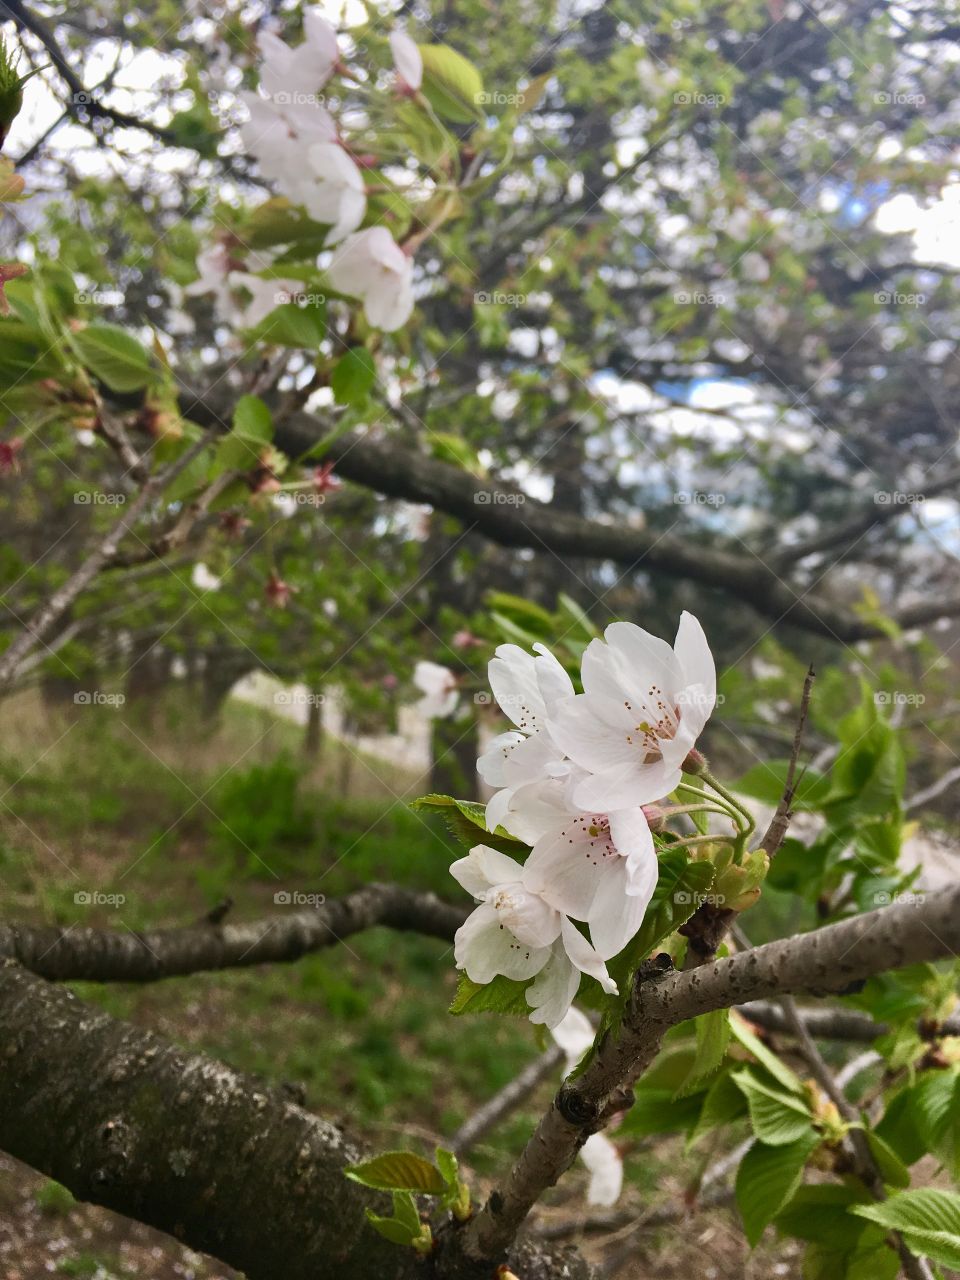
[(252, 419), (451, 84), (767, 1178), (723, 1103), (658, 1110), (448, 1165), (392, 1229), (352, 377), (466, 821), (767, 1059), (502, 995), (115, 357), (892, 1169), (767, 780), (821, 1214), (398, 1171), (777, 1118), (713, 1035), (898, 1128), (292, 325), (935, 1109), (928, 1218)]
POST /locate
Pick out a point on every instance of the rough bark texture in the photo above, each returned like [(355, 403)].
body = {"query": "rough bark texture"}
[(217, 1159), (104, 955), (825, 960)]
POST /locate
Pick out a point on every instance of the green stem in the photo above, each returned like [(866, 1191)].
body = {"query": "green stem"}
[(721, 790)]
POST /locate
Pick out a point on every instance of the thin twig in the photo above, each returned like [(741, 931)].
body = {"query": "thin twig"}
[(777, 830)]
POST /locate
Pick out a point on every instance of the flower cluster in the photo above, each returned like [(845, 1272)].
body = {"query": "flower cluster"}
[(574, 780), (299, 147)]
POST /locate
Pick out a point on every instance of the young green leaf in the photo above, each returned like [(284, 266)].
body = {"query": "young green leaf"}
[(928, 1218), (115, 357), (353, 376), (767, 1178), (398, 1171), (777, 1118)]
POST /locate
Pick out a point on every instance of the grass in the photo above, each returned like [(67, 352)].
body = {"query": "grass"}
[(159, 815)]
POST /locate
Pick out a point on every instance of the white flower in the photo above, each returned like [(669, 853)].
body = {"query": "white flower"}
[(302, 71), (213, 263), (642, 709), (515, 933), (606, 1170), (203, 579), (407, 60), (439, 687), (574, 1035), (528, 690), (599, 868), (370, 265), (264, 296), (332, 190)]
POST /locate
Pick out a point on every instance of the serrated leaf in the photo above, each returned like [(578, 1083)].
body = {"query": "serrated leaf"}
[(723, 1103), (501, 995), (776, 1118), (252, 419), (935, 1110), (292, 325), (892, 1169), (767, 1178), (928, 1217), (821, 1214), (448, 1165), (466, 821), (115, 357), (391, 1229), (398, 1171)]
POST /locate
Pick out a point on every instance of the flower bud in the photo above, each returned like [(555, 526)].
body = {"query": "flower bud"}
[(695, 762)]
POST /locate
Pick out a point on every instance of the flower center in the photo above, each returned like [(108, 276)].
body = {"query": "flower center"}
[(657, 720)]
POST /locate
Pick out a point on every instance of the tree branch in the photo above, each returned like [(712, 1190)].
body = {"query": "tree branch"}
[(106, 955), (826, 960), (187, 1145)]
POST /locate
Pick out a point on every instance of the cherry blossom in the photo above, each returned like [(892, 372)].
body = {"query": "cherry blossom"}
[(514, 932), (370, 265), (333, 190), (528, 690), (264, 296), (438, 685), (287, 72), (643, 707)]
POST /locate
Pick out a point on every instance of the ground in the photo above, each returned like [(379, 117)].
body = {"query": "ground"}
[(175, 817)]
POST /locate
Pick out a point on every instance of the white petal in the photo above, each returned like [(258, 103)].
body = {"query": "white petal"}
[(532, 809), (526, 915), (693, 654), (493, 765), (631, 831), (551, 995), (390, 306), (483, 868), (574, 1035), (321, 35), (606, 1168), (627, 786), (484, 948), (584, 957), (584, 729), (407, 59), (513, 679), (568, 865), (552, 679), (641, 660), (616, 915)]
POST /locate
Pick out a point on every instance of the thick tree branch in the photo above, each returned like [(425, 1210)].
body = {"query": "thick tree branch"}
[(188, 1145), (104, 955), (825, 960)]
